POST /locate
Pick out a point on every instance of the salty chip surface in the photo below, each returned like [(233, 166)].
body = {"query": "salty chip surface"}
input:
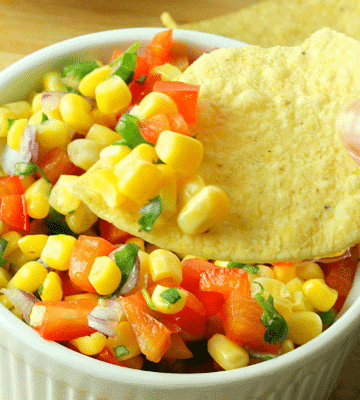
[(266, 119)]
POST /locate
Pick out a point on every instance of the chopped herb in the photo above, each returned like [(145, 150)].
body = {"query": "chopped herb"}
[(79, 69), (125, 259), (71, 212), (56, 224), (130, 49), (121, 351), (327, 317), (71, 89), (29, 168), (126, 68), (261, 356), (41, 288), (251, 269), (121, 142), (3, 244), (11, 122), (148, 299), (150, 212), (171, 296), (44, 118), (159, 161), (141, 79), (276, 326), (128, 128)]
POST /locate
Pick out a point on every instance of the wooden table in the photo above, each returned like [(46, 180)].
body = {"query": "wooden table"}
[(29, 25)]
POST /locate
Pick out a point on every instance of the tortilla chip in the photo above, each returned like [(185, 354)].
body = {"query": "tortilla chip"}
[(281, 22), (266, 119)]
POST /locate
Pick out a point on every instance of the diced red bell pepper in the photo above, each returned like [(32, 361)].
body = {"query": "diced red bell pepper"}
[(64, 320), (158, 50), (192, 268), (13, 212), (82, 257), (241, 319), (185, 96), (212, 301), (140, 90), (111, 233), (11, 185), (225, 280), (68, 287), (153, 337)]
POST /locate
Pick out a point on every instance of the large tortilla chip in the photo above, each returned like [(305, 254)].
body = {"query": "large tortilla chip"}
[(266, 118), (281, 22)]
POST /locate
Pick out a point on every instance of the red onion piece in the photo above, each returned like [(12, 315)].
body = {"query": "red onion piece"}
[(51, 100), (22, 301), (105, 318)]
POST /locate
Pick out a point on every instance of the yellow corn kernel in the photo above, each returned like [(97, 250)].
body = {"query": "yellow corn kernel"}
[(21, 109), (139, 180), (321, 296), (88, 84), (164, 264), (273, 286), (112, 95), (5, 115), (16, 312), (102, 135), (105, 183), (103, 119), (167, 192), (52, 82), (39, 186), (124, 336), (105, 275), (90, 345), (284, 307), (52, 133), (218, 263), (37, 199), (4, 277), (15, 133), (74, 297), (83, 152), (226, 353), (143, 152), (300, 302), (29, 277), (32, 245), (294, 285), (17, 258), (178, 349), (111, 155), (264, 272), (36, 118), (51, 288), (304, 326), (206, 208), (310, 271), (57, 250), (12, 238), (284, 273), (5, 301), (154, 103), (1, 226), (287, 346), (138, 241), (167, 71), (81, 219), (188, 186), (75, 111), (163, 305), (183, 153), (61, 199), (36, 103)]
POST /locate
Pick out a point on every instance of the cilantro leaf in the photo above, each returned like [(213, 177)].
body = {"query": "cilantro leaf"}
[(327, 317), (148, 299), (150, 212), (79, 69), (56, 224), (170, 296), (130, 49), (275, 324), (128, 128), (251, 269), (126, 68), (29, 168), (44, 118), (3, 244), (125, 259)]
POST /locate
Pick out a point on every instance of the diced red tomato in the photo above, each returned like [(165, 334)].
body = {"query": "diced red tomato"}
[(225, 280), (192, 268), (11, 185), (153, 337), (177, 123), (111, 233), (65, 320), (56, 162), (185, 96), (13, 212), (142, 67), (241, 319), (151, 127), (212, 301), (140, 90), (84, 252), (158, 50), (68, 287)]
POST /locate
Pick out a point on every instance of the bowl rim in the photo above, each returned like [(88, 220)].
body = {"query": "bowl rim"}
[(66, 357)]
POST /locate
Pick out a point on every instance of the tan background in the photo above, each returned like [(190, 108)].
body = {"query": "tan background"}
[(26, 26)]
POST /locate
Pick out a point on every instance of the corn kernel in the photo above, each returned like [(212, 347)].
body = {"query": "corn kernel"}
[(294, 285), (310, 271), (167, 192), (17, 258), (5, 115), (39, 186), (321, 296), (164, 264), (112, 95), (273, 286), (12, 238), (206, 208), (36, 118), (51, 288), (183, 153), (168, 306), (90, 345), (102, 135), (167, 71), (83, 152), (188, 186), (29, 277), (304, 326), (32, 245), (124, 336), (287, 346), (61, 199), (301, 302), (219, 263), (4, 277), (75, 111), (105, 275), (52, 133), (57, 250), (284, 307), (139, 180), (143, 152), (5, 301), (226, 353), (89, 82), (103, 119), (111, 155), (284, 273), (15, 133), (264, 272), (52, 82), (37, 199), (80, 296), (36, 103), (154, 103), (105, 183), (81, 219), (21, 109), (138, 241)]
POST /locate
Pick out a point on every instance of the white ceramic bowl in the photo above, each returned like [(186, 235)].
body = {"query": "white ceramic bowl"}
[(32, 368)]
